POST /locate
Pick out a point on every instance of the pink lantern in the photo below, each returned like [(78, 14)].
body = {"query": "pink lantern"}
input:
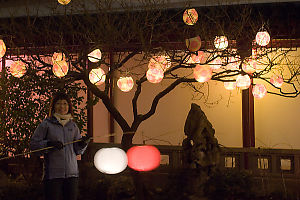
[(202, 73), (17, 69), (97, 76), (277, 81), (143, 158), (160, 62), (233, 63), (190, 16), (58, 56), (2, 48), (125, 83), (259, 91), (64, 2), (230, 85), (60, 68), (193, 44), (262, 38), (216, 63), (199, 58), (243, 81), (221, 42), (95, 56), (249, 66), (155, 75)]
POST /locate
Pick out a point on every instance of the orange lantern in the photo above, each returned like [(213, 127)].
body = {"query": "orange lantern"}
[(202, 73), (95, 56), (230, 85), (221, 42), (216, 63), (160, 62), (262, 38), (143, 158), (125, 83), (193, 44), (243, 81), (155, 75), (64, 2), (198, 58), (190, 16), (60, 68), (58, 56), (259, 91), (2, 48), (97, 76), (277, 81), (17, 69)]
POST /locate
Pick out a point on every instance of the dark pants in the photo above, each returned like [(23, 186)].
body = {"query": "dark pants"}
[(61, 188)]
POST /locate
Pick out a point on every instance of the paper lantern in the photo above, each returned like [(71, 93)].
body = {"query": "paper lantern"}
[(95, 56), (64, 2), (277, 81), (202, 73), (243, 81), (97, 76), (159, 62), (125, 83), (2, 48), (262, 38), (259, 91), (233, 63), (110, 160), (155, 75), (198, 58), (230, 85), (58, 56), (221, 42), (216, 63), (193, 44), (60, 68), (190, 16), (249, 66), (17, 69), (143, 158)]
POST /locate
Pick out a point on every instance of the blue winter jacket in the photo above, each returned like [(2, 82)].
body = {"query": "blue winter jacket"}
[(58, 163)]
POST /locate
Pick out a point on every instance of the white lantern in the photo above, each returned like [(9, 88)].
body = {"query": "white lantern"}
[(262, 38), (95, 56), (193, 44), (233, 63), (277, 81), (17, 69), (155, 75), (230, 85), (160, 62), (58, 56), (64, 2), (202, 73), (216, 63), (190, 16), (243, 81), (125, 83), (97, 76), (2, 48), (221, 42), (249, 66), (60, 68), (259, 91), (110, 160)]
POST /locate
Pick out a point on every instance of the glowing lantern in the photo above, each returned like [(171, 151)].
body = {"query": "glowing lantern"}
[(64, 2), (277, 81), (159, 62), (17, 69), (95, 56), (249, 66), (97, 76), (198, 58), (243, 81), (190, 16), (143, 158), (60, 68), (262, 38), (202, 73), (125, 83), (233, 63), (2, 48), (259, 91), (216, 63), (221, 42), (155, 75), (58, 56), (193, 44), (230, 85), (110, 160)]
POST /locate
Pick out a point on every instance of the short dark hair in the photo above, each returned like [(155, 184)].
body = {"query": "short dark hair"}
[(60, 96)]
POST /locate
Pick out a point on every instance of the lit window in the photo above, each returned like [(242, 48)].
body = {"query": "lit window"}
[(229, 162)]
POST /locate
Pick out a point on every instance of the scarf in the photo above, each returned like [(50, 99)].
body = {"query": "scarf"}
[(63, 119)]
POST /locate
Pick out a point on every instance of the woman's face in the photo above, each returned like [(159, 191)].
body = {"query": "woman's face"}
[(61, 107)]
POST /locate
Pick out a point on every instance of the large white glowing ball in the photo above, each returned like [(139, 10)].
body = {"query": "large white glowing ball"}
[(198, 58), (216, 63), (233, 63), (221, 42), (2, 48), (125, 83), (190, 16), (277, 81), (155, 75), (60, 68), (262, 38), (159, 62), (95, 55), (243, 81), (64, 2), (230, 85), (110, 160), (97, 76), (249, 66), (259, 91), (17, 69), (58, 56), (202, 73), (193, 44)]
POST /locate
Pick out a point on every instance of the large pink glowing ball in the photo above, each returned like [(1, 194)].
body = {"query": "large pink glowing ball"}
[(233, 63), (190, 16), (193, 44), (198, 58), (262, 38), (249, 66), (95, 56), (230, 85), (221, 42), (64, 2), (202, 73), (277, 80), (58, 56), (216, 63), (143, 158), (159, 62), (243, 81), (125, 83), (60, 68), (259, 91), (2, 48), (155, 75), (97, 76), (17, 69)]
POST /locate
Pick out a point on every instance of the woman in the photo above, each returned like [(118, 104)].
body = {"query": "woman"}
[(60, 162)]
